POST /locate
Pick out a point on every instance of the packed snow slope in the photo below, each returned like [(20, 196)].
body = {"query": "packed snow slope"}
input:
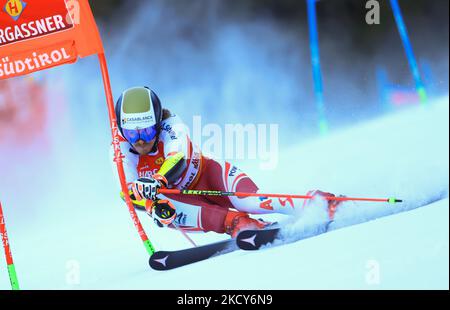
[(394, 252), (69, 229)]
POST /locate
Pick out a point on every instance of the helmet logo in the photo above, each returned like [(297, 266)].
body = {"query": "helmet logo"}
[(137, 120), (14, 8)]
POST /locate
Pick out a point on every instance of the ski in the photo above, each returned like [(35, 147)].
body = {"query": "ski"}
[(166, 260), (254, 239), (251, 240), (248, 240)]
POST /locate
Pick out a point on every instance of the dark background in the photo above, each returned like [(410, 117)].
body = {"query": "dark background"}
[(341, 24), (180, 48), (428, 15)]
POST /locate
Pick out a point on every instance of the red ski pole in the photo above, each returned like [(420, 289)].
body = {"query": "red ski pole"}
[(9, 260), (118, 155), (241, 194)]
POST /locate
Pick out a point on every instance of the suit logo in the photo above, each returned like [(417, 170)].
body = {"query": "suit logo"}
[(159, 161), (266, 205), (284, 201), (232, 171), (181, 219)]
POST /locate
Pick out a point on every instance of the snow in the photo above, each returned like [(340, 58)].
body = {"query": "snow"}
[(402, 250), (64, 235)]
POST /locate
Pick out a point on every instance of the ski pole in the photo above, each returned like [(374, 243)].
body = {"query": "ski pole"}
[(141, 206), (9, 260), (184, 234), (241, 194)]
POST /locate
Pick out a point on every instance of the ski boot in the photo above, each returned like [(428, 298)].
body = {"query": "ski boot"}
[(235, 222), (332, 204)]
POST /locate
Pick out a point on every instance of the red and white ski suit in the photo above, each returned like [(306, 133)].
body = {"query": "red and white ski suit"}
[(198, 213)]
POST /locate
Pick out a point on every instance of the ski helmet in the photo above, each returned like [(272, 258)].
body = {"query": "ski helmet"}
[(139, 114)]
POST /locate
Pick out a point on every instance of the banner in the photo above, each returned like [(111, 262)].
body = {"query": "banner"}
[(40, 34)]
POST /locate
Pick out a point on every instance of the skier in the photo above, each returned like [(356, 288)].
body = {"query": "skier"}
[(158, 153)]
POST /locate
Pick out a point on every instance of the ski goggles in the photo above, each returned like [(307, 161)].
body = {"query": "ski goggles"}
[(146, 134)]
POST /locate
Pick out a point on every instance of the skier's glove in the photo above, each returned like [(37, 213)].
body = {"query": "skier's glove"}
[(147, 188), (163, 212)]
